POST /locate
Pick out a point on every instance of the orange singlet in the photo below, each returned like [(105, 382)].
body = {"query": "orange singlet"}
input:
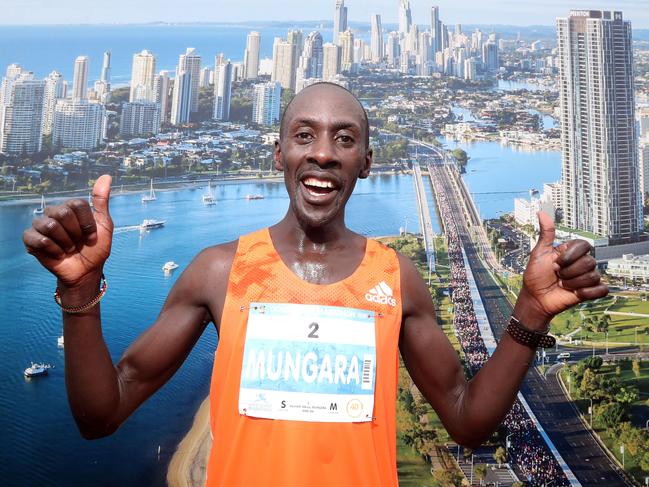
[(249, 451)]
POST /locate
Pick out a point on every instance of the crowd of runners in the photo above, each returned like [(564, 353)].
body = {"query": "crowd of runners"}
[(526, 449)]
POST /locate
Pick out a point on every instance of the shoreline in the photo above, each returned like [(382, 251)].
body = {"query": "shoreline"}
[(188, 465), (34, 198)]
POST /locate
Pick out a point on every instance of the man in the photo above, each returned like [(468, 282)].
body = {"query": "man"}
[(310, 317)]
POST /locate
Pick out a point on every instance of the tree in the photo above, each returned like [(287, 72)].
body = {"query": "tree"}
[(612, 414), (447, 478), (480, 472), (500, 455)]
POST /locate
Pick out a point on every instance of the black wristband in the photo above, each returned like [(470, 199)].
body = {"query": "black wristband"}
[(529, 338)]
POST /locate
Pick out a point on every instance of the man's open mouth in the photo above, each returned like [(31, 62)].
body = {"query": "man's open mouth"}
[(319, 186)]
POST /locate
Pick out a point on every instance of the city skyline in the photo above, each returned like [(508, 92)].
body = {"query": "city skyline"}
[(35, 12)]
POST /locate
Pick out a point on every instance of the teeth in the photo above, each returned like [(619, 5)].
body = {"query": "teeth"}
[(318, 183)]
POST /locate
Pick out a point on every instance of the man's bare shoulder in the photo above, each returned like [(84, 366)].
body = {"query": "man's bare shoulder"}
[(214, 260)]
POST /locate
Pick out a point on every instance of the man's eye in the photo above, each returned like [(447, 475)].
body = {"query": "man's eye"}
[(345, 139), (303, 135)]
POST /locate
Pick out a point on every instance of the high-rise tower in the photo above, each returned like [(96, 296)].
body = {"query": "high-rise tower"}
[(251, 55), (142, 74), (80, 80), (600, 173), (340, 20), (376, 40)]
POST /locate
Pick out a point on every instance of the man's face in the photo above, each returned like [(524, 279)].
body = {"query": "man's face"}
[(322, 153)]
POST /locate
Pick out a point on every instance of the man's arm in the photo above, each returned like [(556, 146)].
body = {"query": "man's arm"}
[(73, 243), (471, 410), (103, 396)]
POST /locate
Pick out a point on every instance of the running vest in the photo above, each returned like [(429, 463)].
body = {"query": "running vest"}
[(249, 450)]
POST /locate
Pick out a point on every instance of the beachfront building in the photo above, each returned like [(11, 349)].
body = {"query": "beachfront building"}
[(142, 77), (347, 52), (340, 20), (21, 114), (376, 39), (78, 124), (140, 118), (266, 102), (600, 173), (80, 80), (251, 56)]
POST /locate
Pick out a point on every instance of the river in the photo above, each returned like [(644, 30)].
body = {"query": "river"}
[(40, 443)]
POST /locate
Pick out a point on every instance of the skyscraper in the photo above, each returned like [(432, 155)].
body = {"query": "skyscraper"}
[(340, 20), (161, 91), (142, 73), (222, 91), (190, 63), (376, 39), (80, 81), (600, 173), (266, 102), (21, 115), (182, 98), (331, 61), (55, 89), (405, 17), (347, 51), (105, 68), (392, 49), (284, 63), (251, 55), (435, 30)]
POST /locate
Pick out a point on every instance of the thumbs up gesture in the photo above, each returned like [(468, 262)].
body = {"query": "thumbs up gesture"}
[(557, 278), (71, 241)]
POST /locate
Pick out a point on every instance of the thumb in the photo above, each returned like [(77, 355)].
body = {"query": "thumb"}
[(101, 195), (546, 232)]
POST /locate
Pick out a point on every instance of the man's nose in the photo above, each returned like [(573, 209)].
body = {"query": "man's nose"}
[(324, 151)]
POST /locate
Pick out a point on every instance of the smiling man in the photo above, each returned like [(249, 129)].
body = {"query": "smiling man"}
[(311, 318)]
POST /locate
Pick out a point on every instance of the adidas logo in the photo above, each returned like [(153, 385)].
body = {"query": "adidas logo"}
[(381, 294)]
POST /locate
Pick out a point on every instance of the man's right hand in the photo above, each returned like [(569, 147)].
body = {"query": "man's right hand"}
[(70, 240)]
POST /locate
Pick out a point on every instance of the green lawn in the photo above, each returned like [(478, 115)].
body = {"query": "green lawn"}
[(413, 471), (622, 329)]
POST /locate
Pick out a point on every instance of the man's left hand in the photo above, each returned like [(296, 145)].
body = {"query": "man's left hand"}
[(557, 278)]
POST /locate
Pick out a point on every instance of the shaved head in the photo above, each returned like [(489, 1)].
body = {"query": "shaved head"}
[(318, 90)]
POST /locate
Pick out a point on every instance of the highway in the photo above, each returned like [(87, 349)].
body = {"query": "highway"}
[(425, 221), (557, 414)]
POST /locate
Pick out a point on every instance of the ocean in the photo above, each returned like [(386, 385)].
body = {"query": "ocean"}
[(42, 49)]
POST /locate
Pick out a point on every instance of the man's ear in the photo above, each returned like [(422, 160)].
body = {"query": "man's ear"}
[(277, 157), (365, 171)]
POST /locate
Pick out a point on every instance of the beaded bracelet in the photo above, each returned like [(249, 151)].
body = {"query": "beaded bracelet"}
[(81, 309)]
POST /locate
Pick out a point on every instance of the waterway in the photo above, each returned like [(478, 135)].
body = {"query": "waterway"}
[(40, 443), (496, 173)]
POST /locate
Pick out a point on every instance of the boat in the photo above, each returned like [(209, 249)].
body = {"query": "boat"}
[(150, 196), (41, 209), (169, 266), (149, 224), (37, 369), (208, 198), (254, 196), (60, 342)]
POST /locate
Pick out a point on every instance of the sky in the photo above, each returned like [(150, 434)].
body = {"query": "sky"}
[(511, 12)]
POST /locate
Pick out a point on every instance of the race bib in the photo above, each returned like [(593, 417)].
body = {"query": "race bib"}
[(308, 363)]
